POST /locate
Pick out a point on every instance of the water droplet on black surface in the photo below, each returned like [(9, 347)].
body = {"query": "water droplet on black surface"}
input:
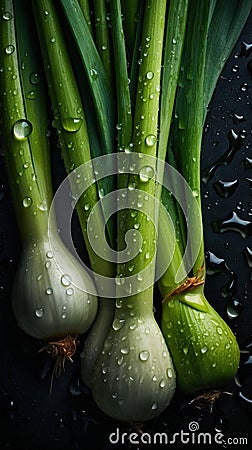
[(233, 223), (230, 289), (247, 162), (246, 49), (225, 188), (214, 264), (235, 143), (247, 252), (234, 309), (238, 118)]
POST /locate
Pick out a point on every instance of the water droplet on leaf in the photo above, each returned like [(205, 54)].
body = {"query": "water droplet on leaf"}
[(22, 129)]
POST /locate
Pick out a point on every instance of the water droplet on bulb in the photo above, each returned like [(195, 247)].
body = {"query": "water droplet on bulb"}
[(69, 291), (22, 129), (49, 291), (66, 280), (39, 312), (118, 324), (144, 355), (204, 349)]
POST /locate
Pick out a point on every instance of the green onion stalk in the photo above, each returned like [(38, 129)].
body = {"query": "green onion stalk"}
[(73, 134), (50, 302), (134, 377), (204, 349)]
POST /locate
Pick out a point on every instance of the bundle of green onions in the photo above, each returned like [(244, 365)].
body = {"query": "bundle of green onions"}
[(163, 59)]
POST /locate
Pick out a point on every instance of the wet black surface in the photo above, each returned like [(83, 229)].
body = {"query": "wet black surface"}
[(67, 419)]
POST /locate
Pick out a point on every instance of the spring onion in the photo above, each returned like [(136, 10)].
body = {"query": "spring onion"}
[(49, 302), (76, 152), (134, 377), (204, 349)]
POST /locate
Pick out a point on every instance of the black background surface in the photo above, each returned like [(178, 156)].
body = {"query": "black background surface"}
[(68, 419)]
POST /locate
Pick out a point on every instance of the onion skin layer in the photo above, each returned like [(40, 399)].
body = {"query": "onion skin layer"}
[(203, 347), (50, 296), (134, 378)]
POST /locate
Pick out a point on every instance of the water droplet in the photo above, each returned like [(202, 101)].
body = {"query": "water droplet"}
[(64, 315), (154, 405), (71, 124), (39, 277), (7, 16), (144, 355), (22, 129), (34, 78), (42, 206), (225, 188), (146, 173), (204, 349), (235, 143), (195, 193), (117, 324), (246, 49), (234, 308), (125, 350), (185, 350), (162, 383), (48, 264), (49, 254), (119, 360), (31, 95), (49, 291), (247, 253), (69, 291), (9, 49), (27, 201), (94, 74), (169, 373), (39, 312), (150, 140), (219, 330), (66, 280), (149, 75), (235, 68), (233, 223)]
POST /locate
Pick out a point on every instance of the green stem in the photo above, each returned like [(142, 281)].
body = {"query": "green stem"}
[(124, 117), (69, 119), (24, 124), (102, 34), (145, 142), (84, 5), (189, 112)]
